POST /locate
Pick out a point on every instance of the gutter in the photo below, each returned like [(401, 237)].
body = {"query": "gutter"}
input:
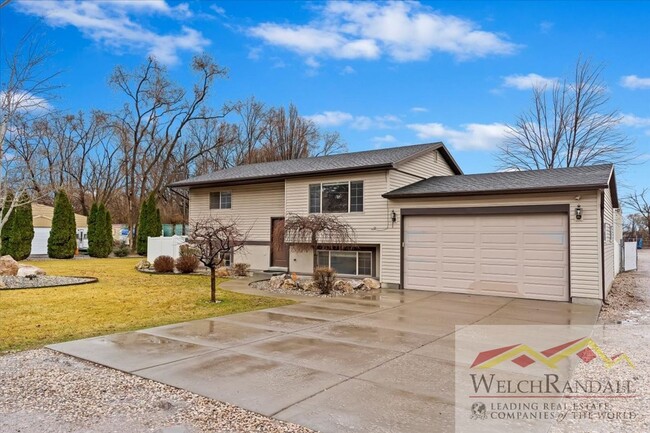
[(602, 245), (391, 195)]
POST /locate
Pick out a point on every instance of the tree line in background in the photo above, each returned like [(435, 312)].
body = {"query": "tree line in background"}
[(161, 133)]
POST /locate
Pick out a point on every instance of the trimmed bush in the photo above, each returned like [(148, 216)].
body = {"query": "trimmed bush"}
[(100, 232), (187, 264), (240, 269), (18, 233), (163, 264), (149, 224), (324, 279), (6, 229), (92, 230), (62, 242), (121, 249)]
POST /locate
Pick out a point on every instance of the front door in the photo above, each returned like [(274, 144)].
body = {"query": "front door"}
[(279, 249)]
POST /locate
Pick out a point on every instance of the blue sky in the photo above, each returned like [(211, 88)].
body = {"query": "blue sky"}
[(382, 74)]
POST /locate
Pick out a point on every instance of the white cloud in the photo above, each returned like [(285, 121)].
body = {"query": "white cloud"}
[(546, 26), (419, 109), (525, 82), (23, 102), (473, 136), (331, 118), (635, 121), (112, 25), (218, 10), (348, 70), (403, 31), (635, 82), (340, 118), (384, 139)]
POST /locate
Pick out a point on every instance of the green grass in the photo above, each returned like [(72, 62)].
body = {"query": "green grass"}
[(122, 300)]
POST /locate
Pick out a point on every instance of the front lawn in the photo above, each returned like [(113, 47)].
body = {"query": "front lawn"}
[(122, 300)]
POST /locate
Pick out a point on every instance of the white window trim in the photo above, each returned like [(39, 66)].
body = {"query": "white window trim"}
[(372, 257), (348, 183), (219, 208)]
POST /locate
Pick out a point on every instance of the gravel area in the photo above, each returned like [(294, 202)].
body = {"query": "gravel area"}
[(44, 391), (43, 281), (629, 298)]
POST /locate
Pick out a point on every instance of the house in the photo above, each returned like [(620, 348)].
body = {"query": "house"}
[(422, 224), (42, 220)]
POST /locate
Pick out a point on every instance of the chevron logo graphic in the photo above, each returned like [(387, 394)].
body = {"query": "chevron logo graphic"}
[(523, 355)]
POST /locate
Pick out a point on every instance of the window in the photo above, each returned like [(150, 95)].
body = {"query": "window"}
[(335, 197), (341, 197), (346, 262), (227, 259), (356, 196), (220, 200), (314, 198)]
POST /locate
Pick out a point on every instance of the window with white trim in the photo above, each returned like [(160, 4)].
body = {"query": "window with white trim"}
[(347, 262), (220, 200), (336, 197)]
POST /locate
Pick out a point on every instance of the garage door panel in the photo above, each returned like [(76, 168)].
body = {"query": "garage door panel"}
[(459, 238), (509, 255), (535, 239), (498, 238)]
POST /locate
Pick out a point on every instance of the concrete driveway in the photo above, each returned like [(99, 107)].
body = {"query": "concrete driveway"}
[(381, 363)]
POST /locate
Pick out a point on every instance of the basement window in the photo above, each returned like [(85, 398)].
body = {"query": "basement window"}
[(346, 262)]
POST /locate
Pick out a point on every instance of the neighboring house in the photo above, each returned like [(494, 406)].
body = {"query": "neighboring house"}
[(422, 224), (42, 219)]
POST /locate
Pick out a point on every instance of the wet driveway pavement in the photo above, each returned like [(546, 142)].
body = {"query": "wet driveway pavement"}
[(381, 363)]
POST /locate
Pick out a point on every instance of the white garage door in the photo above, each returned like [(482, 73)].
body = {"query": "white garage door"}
[(39, 243), (523, 255)]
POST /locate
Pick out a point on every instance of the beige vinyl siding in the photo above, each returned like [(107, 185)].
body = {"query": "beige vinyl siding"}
[(370, 225), (584, 234), (424, 166), (252, 205), (608, 247)]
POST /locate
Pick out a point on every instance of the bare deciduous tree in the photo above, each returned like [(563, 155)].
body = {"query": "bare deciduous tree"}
[(307, 232), (213, 238), (152, 122), (568, 125), (640, 203), (27, 89)]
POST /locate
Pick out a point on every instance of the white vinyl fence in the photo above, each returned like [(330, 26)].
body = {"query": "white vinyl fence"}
[(629, 256), (164, 246)]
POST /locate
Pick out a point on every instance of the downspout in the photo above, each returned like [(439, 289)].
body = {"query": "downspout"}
[(602, 244)]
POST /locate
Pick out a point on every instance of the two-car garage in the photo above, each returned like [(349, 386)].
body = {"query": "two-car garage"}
[(522, 252), (541, 234)]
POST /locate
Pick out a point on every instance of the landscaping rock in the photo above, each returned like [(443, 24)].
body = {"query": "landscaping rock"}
[(371, 283), (8, 266), (143, 265), (223, 272), (343, 286), (276, 281), (2, 285), (29, 271), (356, 284), (309, 286), (289, 284)]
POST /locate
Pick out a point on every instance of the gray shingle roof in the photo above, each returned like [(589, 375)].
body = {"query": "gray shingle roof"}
[(559, 179), (370, 159)]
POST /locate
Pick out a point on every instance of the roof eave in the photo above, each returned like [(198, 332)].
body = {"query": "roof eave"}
[(277, 178), (495, 191)]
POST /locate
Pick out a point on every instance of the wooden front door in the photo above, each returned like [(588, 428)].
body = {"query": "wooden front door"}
[(279, 250)]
